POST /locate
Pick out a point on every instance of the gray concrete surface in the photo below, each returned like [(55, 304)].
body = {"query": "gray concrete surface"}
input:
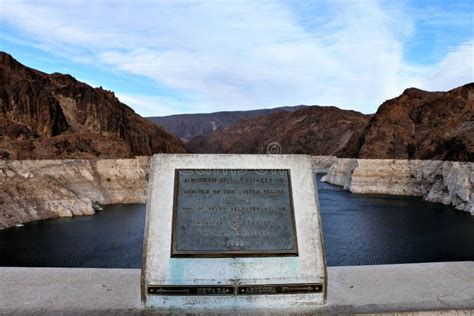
[(408, 288), (41, 290), (402, 287)]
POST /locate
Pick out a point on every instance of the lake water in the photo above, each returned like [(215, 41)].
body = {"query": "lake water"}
[(358, 229)]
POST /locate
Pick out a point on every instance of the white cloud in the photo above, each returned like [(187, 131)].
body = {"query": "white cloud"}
[(152, 105), (240, 55), (455, 69)]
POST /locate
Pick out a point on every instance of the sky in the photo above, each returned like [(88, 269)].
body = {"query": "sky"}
[(172, 57)]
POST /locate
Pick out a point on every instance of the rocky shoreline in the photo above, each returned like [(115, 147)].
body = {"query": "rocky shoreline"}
[(446, 182), (41, 189)]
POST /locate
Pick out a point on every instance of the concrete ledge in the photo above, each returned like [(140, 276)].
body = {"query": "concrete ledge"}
[(439, 287), (401, 287), (46, 290)]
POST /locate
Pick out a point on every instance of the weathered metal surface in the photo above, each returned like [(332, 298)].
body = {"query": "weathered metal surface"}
[(269, 289), (222, 212), (254, 289), (191, 290)]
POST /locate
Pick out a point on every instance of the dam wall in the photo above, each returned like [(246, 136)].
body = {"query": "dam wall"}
[(446, 182)]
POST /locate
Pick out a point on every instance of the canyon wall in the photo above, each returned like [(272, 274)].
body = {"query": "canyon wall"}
[(41, 189), (446, 182), (51, 116)]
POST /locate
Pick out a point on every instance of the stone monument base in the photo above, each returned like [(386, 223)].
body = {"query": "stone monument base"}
[(233, 232)]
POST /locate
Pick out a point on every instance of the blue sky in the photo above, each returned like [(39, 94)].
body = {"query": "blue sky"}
[(168, 57)]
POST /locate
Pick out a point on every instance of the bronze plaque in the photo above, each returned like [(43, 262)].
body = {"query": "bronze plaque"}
[(237, 212)]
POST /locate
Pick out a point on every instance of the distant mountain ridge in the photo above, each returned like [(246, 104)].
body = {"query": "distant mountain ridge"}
[(55, 116), (188, 126), (314, 130)]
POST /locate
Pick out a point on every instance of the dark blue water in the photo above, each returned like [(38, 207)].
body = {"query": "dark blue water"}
[(112, 238), (358, 229), (383, 229)]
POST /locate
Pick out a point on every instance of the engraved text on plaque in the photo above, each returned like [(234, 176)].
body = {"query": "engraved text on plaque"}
[(221, 212)]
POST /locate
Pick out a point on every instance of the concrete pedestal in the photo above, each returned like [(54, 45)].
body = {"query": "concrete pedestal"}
[(299, 280)]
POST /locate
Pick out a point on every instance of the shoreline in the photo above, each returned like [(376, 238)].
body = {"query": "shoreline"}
[(445, 182), (33, 190)]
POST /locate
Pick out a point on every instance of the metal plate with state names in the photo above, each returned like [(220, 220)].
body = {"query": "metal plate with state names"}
[(254, 289), (236, 212)]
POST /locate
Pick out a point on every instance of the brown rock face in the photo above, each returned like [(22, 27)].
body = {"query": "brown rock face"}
[(423, 125), (56, 116), (311, 130), (416, 125)]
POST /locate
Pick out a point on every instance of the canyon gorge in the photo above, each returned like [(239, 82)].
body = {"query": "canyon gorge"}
[(67, 148)]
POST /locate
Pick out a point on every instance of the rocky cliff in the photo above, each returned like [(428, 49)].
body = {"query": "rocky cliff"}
[(55, 116), (313, 130), (40, 189), (446, 182), (423, 125), (416, 125)]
